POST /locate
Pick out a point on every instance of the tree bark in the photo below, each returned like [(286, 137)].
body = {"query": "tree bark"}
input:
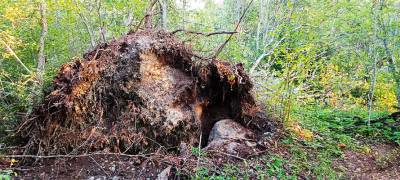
[(183, 14), (43, 34), (102, 29), (85, 22), (164, 19), (391, 59), (148, 19), (261, 21), (36, 89), (372, 91), (393, 70)]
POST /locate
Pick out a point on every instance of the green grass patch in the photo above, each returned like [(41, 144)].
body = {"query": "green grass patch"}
[(334, 131)]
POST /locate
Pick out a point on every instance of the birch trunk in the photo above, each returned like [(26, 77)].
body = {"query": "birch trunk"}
[(261, 23), (102, 28), (43, 34), (164, 19), (393, 69), (88, 27), (372, 91)]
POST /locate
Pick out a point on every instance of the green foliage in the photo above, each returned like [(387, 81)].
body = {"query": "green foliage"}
[(350, 123), (198, 152), (201, 172), (333, 128), (7, 174), (334, 132), (379, 130), (317, 156), (315, 63), (274, 167)]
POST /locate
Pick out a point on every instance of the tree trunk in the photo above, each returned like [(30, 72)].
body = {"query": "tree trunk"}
[(102, 29), (148, 19), (261, 23), (36, 89), (163, 6), (393, 70), (183, 14), (41, 56), (85, 22), (391, 60), (371, 91)]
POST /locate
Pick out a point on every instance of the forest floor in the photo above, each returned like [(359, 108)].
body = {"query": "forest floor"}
[(380, 163), (332, 154)]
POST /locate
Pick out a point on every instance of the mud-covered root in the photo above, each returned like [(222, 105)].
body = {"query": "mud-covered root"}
[(137, 94)]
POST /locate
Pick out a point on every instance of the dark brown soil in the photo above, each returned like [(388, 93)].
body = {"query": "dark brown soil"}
[(383, 162), (112, 166), (99, 166)]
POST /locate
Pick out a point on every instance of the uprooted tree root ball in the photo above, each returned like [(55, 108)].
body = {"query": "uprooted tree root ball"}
[(138, 93)]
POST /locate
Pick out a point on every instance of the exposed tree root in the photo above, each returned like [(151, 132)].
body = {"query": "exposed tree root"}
[(139, 93)]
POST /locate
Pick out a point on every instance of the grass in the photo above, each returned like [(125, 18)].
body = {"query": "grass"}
[(333, 132)]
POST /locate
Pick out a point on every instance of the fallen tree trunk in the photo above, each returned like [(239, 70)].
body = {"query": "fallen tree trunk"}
[(137, 94)]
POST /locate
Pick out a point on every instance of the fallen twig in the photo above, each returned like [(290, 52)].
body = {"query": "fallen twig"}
[(75, 156), (105, 172)]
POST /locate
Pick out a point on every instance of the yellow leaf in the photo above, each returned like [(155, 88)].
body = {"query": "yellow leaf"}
[(13, 162)]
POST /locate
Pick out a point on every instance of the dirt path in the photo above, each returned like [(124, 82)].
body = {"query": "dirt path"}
[(382, 162)]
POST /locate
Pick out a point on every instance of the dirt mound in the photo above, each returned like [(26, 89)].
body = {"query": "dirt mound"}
[(134, 95)]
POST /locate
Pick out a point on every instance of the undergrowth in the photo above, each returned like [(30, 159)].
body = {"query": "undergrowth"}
[(334, 131)]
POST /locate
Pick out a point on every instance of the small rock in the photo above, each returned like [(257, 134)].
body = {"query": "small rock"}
[(112, 168), (184, 150), (115, 178), (164, 174)]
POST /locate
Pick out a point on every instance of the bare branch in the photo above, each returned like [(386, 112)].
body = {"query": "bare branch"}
[(85, 21), (236, 28), (204, 34), (15, 55), (74, 156), (271, 50), (146, 18), (149, 15), (261, 57)]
